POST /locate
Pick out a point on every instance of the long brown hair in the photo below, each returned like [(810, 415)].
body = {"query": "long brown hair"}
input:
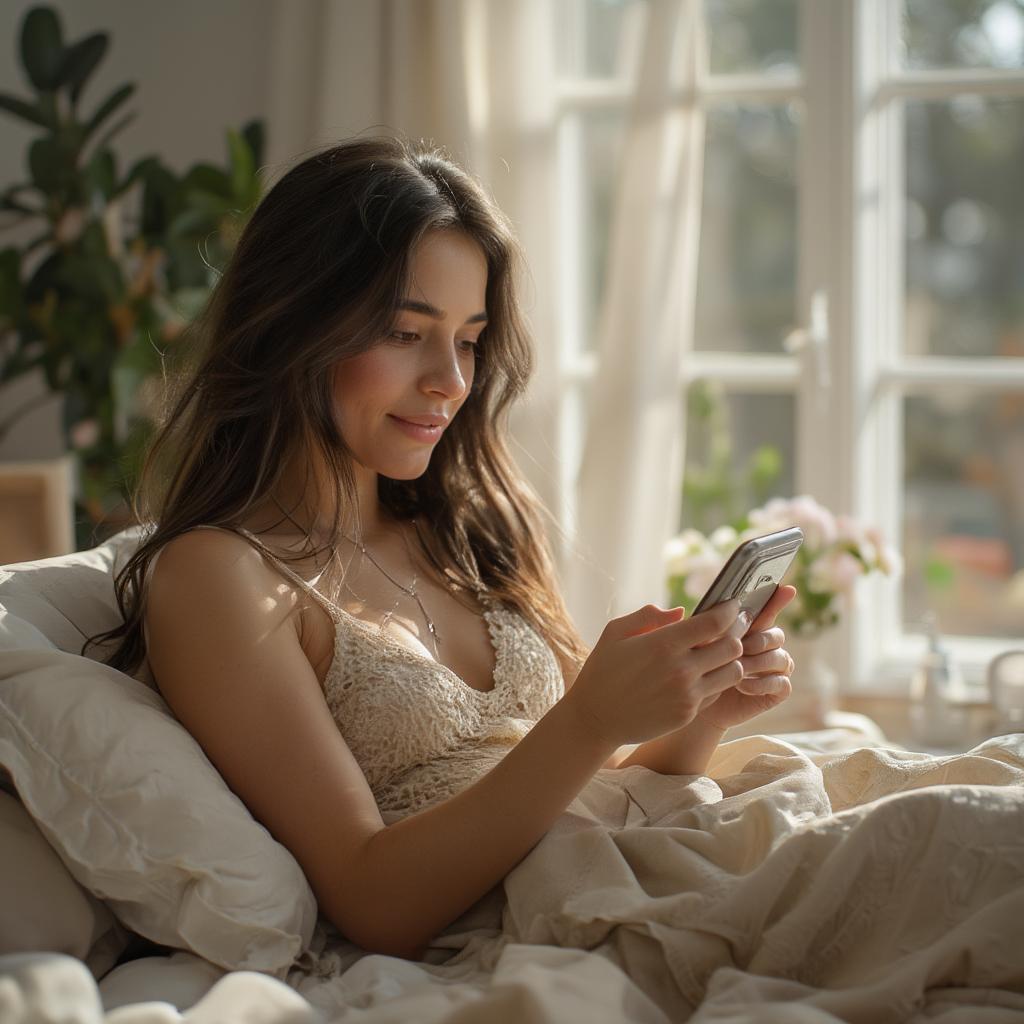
[(316, 277)]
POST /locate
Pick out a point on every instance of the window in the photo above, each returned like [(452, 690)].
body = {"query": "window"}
[(862, 166)]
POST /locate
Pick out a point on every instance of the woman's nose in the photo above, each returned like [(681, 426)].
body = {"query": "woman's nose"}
[(445, 372)]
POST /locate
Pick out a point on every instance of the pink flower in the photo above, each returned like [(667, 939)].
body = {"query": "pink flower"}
[(817, 522), (852, 532), (703, 570), (834, 572), (680, 551)]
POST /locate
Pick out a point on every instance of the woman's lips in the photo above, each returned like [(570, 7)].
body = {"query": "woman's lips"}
[(415, 431)]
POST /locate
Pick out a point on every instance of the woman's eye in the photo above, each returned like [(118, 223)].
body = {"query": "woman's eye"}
[(404, 335)]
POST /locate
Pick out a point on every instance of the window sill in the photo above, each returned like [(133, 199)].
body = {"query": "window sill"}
[(893, 716)]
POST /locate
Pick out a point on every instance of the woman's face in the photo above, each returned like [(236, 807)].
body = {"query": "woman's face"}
[(424, 369)]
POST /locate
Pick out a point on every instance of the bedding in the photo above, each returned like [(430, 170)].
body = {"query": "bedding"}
[(791, 884), (820, 877), (139, 816), (122, 792), (41, 906)]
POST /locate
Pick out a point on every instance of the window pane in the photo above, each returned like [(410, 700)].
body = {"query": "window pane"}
[(752, 36), (598, 38), (603, 134), (964, 513), (746, 280), (740, 450), (965, 227), (963, 33)]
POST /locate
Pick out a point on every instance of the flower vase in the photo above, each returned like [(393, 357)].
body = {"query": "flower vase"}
[(815, 683)]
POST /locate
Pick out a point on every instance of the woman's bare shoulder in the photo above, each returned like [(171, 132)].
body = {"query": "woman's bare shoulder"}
[(219, 543), (201, 566)]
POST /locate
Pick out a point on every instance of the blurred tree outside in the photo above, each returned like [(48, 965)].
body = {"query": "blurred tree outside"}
[(964, 529), (722, 481)]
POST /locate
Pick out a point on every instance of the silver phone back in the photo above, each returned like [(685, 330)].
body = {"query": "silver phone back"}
[(754, 571)]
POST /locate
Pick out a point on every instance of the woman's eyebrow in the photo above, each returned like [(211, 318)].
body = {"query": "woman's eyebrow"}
[(415, 306)]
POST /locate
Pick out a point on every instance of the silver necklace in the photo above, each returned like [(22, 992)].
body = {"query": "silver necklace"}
[(410, 590)]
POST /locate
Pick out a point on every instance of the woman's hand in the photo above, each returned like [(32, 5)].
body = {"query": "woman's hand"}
[(766, 665), (651, 672)]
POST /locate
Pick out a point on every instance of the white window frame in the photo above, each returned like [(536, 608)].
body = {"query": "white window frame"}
[(880, 374), (850, 377)]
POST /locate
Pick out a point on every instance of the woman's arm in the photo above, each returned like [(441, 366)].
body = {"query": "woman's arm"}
[(243, 686), (685, 751)]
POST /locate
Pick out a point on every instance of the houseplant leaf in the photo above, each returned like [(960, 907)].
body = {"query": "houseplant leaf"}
[(27, 111), (106, 108), (117, 127), (101, 174), (207, 178), (138, 172), (42, 52), (159, 202), (11, 302), (80, 61), (242, 167), (50, 166), (253, 134), (10, 201), (191, 221)]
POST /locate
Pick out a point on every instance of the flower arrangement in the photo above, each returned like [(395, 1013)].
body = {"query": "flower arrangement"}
[(836, 552)]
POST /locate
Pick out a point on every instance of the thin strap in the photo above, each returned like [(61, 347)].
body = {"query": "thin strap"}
[(280, 565), (482, 592)]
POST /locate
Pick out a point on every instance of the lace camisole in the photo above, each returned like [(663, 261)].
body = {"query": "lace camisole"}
[(419, 732)]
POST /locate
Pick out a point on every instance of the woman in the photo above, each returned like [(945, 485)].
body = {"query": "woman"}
[(366, 635)]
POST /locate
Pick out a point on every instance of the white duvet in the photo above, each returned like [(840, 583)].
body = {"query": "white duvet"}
[(870, 885)]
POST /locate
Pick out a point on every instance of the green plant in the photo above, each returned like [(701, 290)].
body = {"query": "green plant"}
[(718, 490), (120, 265)]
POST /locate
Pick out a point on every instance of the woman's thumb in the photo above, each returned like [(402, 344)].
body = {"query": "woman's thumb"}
[(644, 619)]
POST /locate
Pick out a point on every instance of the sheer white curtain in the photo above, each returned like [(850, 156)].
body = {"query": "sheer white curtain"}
[(479, 77), (630, 477)]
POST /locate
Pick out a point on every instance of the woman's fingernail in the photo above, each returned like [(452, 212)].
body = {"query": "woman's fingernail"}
[(744, 618)]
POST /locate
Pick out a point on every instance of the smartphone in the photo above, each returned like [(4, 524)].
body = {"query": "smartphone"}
[(754, 571)]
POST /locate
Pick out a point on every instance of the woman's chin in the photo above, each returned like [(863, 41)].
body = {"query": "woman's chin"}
[(406, 469)]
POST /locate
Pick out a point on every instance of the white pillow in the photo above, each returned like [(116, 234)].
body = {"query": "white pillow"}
[(181, 979), (63, 600), (122, 791), (142, 819), (42, 908)]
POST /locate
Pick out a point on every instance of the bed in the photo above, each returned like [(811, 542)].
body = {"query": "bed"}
[(816, 877)]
